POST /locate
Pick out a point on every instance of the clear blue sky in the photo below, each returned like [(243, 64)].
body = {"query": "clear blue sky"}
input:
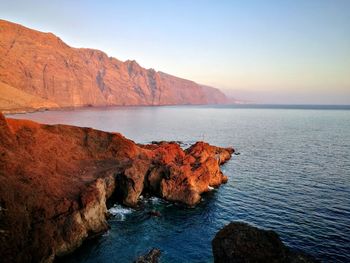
[(278, 51)]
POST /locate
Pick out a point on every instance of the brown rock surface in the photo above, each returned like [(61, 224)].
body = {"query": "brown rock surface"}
[(181, 176), (151, 257), (44, 67), (241, 243), (55, 179), (15, 100)]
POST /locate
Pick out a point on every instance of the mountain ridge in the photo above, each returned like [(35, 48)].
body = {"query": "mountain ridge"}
[(42, 65)]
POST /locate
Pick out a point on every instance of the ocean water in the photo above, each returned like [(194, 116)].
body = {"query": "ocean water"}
[(292, 176)]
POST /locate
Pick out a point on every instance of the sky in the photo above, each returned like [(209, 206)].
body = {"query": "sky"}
[(284, 52)]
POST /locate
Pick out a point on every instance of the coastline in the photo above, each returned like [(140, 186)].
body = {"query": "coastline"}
[(228, 105), (63, 185)]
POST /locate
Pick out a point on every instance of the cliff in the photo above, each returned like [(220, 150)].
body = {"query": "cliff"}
[(55, 180), (15, 100), (40, 66)]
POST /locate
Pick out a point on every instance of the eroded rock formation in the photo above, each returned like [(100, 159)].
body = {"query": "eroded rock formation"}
[(55, 180), (241, 243), (47, 73), (151, 257)]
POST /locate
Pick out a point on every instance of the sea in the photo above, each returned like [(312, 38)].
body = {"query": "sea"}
[(292, 176)]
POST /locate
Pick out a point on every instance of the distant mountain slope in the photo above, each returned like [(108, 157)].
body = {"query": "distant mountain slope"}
[(15, 100), (43, 66)]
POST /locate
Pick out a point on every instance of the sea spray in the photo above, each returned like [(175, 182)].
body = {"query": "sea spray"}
[(119, 212)]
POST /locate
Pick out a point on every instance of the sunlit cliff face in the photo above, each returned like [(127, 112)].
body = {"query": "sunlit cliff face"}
[(274, 52), (41, 71)]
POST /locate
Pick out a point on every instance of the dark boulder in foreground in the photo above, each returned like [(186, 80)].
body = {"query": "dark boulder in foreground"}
[(55, 180), (241, 243), (151, 257)]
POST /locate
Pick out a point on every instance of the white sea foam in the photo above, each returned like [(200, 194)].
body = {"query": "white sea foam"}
[(210, 188), (106, 234), (119, 212), (154, 200)]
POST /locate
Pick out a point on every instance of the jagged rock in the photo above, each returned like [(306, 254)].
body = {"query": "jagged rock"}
[(176, 175), (151, 257), (241, 243), (198, 170), (55, 180), (39, 71)]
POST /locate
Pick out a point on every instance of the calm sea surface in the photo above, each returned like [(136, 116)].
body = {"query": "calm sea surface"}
[(292, 176)]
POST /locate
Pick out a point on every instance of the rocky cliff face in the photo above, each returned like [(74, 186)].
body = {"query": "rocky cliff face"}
[(41, 65), (55, 180)]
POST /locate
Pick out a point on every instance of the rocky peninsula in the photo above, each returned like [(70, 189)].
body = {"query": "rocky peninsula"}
[(55, 180)]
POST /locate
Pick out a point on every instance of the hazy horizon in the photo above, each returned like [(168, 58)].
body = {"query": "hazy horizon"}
[(290, 52)]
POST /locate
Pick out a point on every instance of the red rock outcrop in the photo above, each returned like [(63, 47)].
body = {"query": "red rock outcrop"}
[(55, 180), (174, 174), (41, 65)]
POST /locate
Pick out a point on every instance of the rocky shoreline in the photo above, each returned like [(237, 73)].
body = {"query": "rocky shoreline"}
[(55, 180)]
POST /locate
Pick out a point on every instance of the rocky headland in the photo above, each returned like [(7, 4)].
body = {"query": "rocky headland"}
[(39, 71), (55, 180)]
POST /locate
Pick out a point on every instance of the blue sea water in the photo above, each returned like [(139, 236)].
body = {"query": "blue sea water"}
[(292, 176)]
